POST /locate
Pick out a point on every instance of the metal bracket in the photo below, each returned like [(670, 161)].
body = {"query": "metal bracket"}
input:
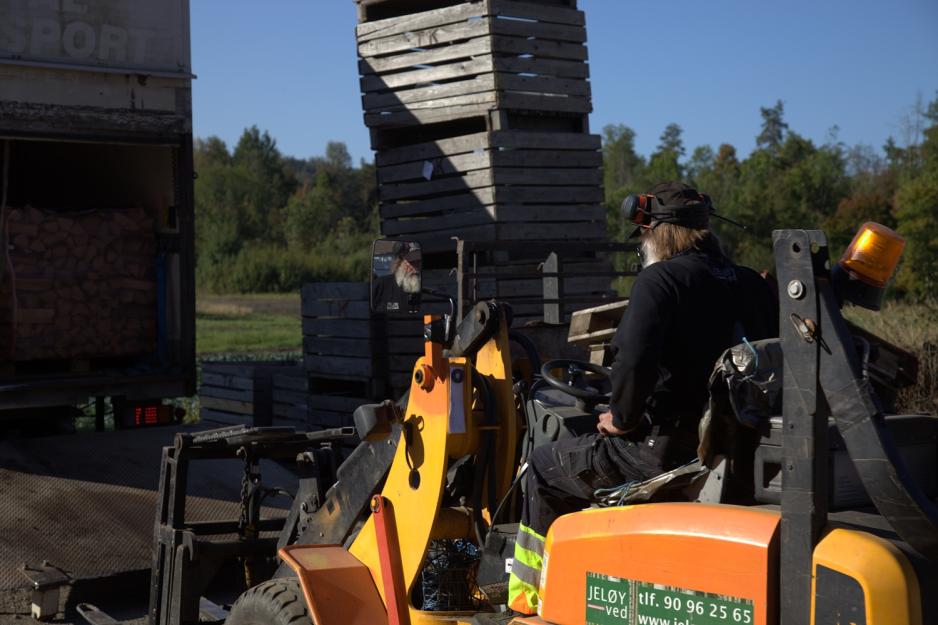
[(47, 582)]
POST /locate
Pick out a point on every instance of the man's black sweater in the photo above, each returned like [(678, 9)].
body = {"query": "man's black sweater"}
[(682, 314)]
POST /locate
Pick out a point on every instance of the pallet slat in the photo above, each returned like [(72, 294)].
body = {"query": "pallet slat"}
[(395, 81), (340, 308), (437, 166), (539, 12), (417, 58), (433, 18), (423, 38)]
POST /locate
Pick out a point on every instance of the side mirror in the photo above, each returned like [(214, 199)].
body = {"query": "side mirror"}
[(396, 282)]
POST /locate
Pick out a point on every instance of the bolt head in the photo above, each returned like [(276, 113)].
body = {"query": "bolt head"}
[(795, 289)]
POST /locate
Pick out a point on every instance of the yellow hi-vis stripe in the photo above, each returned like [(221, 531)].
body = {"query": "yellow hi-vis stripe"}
[(526, 571), (530, 540)]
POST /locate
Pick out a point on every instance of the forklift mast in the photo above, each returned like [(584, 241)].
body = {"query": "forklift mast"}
[(821, 379)]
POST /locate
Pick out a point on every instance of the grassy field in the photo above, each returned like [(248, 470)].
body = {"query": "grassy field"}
[(247, 324), (268, 326), (913, 327)]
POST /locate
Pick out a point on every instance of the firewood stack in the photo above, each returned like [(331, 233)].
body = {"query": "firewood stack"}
[(83, 285)]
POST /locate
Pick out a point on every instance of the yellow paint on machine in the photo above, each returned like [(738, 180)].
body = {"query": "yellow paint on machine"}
[(889, 583)]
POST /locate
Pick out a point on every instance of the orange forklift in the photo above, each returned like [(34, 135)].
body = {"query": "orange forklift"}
[(849, 537)]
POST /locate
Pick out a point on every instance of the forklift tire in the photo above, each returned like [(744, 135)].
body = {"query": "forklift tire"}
[(275, 602)]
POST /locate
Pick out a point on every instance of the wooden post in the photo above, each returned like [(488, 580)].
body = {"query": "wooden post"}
[(553, 290)]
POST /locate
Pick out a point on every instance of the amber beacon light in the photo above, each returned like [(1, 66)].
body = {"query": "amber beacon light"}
[(869, 264)]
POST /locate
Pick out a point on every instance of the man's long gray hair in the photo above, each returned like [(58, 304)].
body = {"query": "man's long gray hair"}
[(665, 240)]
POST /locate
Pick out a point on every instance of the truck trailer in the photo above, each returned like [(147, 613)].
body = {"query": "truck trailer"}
[(96, 289), (96, 274)]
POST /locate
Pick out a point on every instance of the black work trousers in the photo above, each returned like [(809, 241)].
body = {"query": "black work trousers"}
[(562, 476)]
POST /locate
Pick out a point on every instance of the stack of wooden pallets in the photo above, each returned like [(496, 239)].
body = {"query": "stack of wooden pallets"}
[(478, 113), (240, 392), (289, 397), (352, 357)]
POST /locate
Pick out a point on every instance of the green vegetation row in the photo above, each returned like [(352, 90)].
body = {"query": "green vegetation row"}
[(270, 223)]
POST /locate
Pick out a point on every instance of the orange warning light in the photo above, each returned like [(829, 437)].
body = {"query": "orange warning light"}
[(873, 254)]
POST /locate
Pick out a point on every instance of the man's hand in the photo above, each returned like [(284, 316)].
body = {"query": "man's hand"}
[(606, 427)]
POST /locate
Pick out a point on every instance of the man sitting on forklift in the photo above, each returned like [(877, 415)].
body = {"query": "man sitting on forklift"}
[(687, 305)]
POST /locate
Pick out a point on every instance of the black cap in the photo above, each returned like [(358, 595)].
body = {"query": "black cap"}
[(687, 207), (675, 194), (406, 250)]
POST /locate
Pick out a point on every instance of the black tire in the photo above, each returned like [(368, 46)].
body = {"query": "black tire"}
[(275, 602)]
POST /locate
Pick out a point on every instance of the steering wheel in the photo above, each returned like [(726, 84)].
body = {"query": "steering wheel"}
[(575, 368)]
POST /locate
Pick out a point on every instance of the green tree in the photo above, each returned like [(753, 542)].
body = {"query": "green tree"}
[(337, 156), (260, 185), (664, 163), (793, 185), (873, 186), (218, 232), (773, 126), (700, 165), (622, 166), (623, 171), (313, 211), (916, 203), (269, 222), (717, 176), (671, 139)]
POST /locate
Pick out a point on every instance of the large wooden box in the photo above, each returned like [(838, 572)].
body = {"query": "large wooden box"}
[(505, 185), (343, 341)]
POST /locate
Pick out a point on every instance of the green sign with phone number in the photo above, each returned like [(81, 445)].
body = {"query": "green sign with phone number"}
[(616, 601)]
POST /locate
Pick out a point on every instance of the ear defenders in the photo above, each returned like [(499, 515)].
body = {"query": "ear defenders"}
[(642, 209)]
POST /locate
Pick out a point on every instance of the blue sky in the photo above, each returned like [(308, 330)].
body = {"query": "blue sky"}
[(290, 68)]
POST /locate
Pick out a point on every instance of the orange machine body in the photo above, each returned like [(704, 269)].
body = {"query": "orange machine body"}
[(666, 560)]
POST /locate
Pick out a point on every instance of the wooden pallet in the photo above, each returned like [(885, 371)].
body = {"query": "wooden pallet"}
[(466, 60), (333, 410), (289, 393), (479, 115), (502, 185), (344, 342), (239, 392)]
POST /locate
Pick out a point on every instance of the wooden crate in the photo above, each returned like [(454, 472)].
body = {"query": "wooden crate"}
[(594, 328), (463, 61), (332, 410), (478, 112), (289, 395), (343, 342), (239, 392), (503, 185), (79, 285)]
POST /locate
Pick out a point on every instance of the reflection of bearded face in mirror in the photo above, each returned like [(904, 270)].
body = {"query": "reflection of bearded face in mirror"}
[(406, 276)]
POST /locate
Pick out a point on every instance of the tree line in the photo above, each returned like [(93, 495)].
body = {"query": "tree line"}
[(270, 222), (790, 182)]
